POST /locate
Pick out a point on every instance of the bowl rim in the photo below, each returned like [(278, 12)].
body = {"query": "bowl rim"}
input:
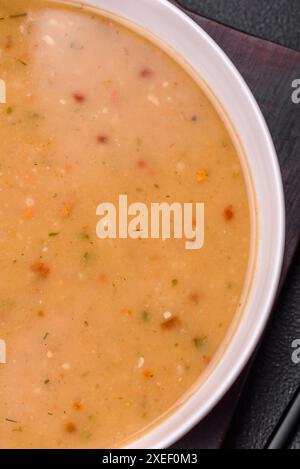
[(172, 427)]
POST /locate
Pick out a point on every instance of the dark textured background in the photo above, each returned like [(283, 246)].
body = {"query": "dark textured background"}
[(275, 20), (273, 378)]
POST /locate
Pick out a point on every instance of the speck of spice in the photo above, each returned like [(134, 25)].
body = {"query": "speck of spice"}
[(200, 341), (77, 406), (87, 257), (170, 323), (145, 316), (148, 374), (229, 213), (41, 269), (146, 72), (70, 427), (201, 175), (79, 97), (102, 139)]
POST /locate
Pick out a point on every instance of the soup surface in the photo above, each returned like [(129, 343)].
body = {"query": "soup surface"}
[(105, 336)]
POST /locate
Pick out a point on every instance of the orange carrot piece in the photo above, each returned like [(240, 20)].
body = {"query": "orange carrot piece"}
[(28, 213)]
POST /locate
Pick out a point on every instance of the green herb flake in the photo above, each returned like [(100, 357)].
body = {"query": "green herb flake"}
[(7, 305), (224, 143), (22, 62), (17, 429), (11, 421), (52, 235), (174, 282), (76, 46), (87, 257), (17, 15), (84, 235), (145, 316), (13, 17), (34, 115), (199, 342), (9, 110), (86, 435)]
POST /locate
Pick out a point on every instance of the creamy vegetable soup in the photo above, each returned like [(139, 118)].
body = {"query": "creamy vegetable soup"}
[(105, 336)]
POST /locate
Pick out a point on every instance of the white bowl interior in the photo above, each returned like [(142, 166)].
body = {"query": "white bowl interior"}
[(207, 59)]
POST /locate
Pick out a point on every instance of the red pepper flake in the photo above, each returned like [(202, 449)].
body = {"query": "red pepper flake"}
[(146, 73), (103, 279), (40, 269), (148, 374), (102, 139), (8, 44), (171, 323), (229, 213), (141, 164), (194, 298), (28, 213), (77, 406), (70, 427), (79, 97), (41, 314)]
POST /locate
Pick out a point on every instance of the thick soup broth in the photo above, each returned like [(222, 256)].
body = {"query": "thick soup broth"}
[(105, 336)]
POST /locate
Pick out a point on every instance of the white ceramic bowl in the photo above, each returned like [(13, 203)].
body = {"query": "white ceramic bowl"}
[(201, 52)]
